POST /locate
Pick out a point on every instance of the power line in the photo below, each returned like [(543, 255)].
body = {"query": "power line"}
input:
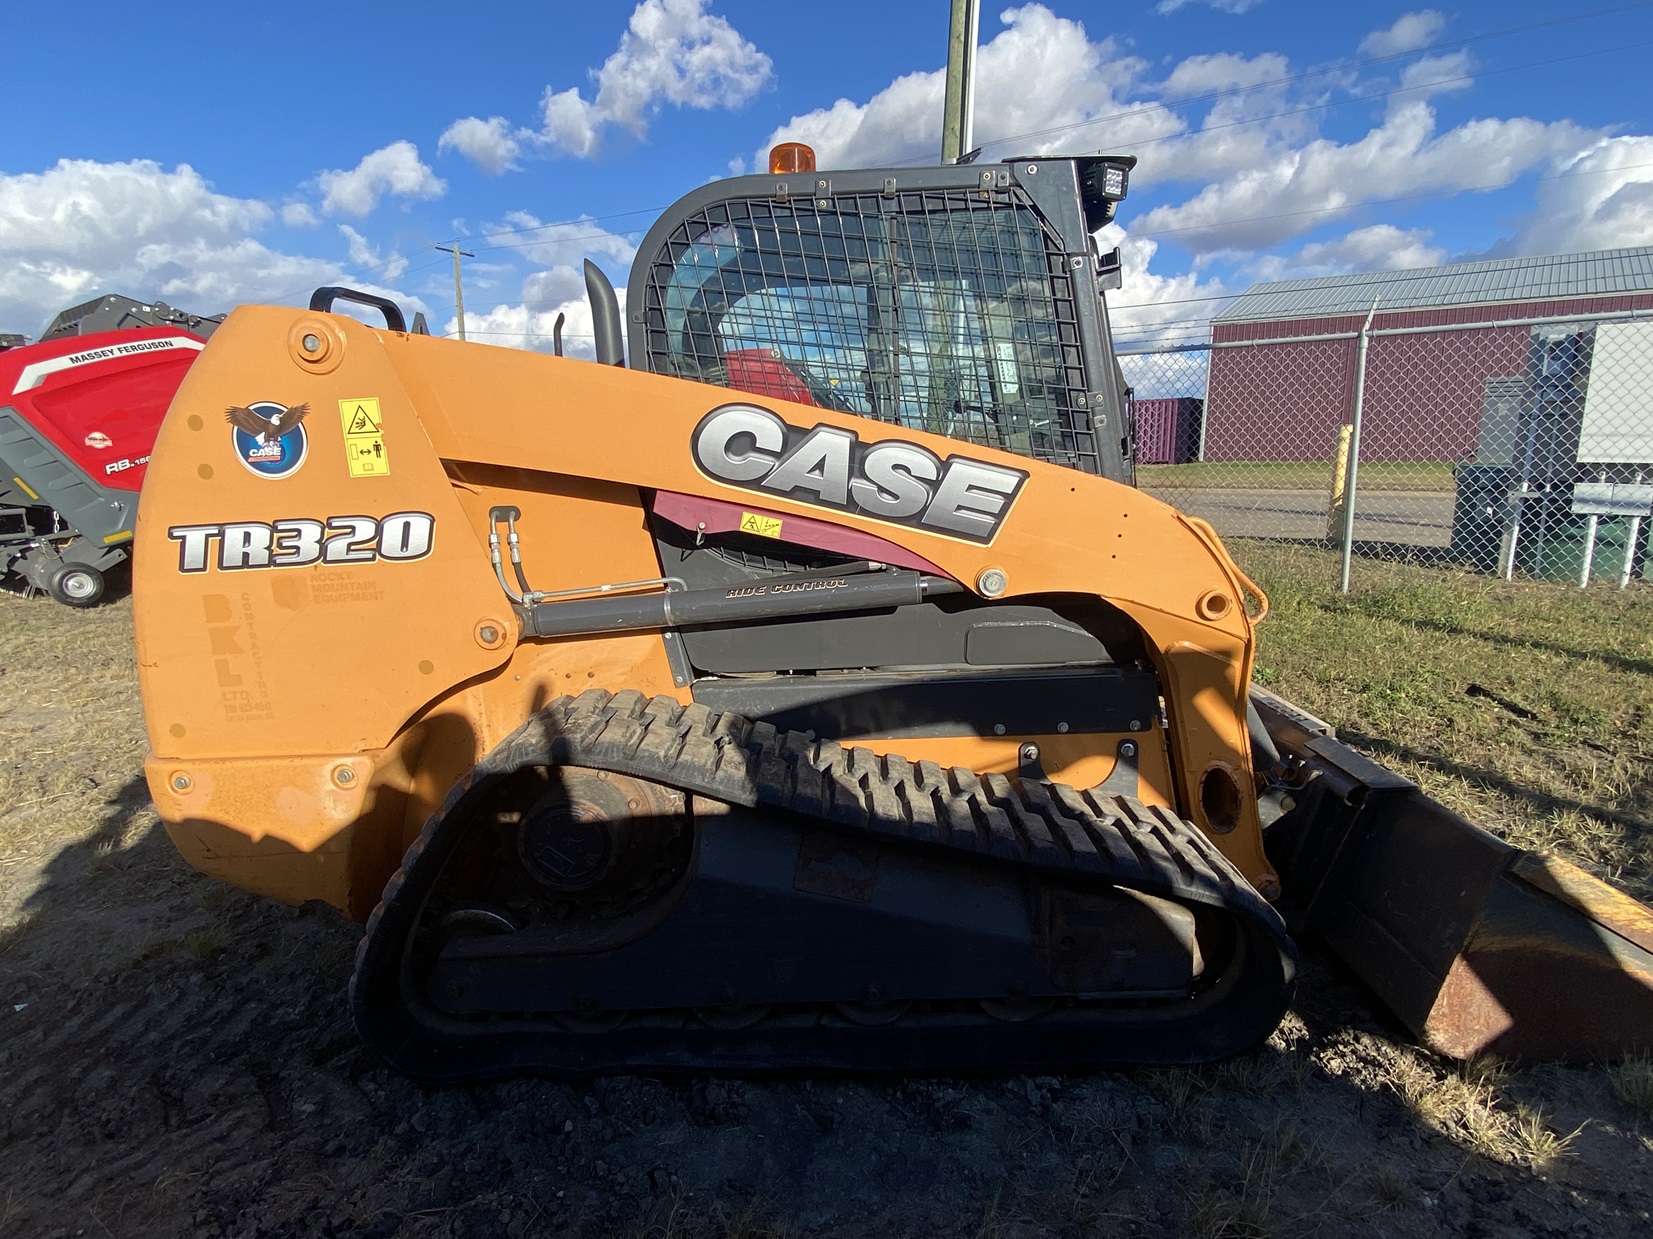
[(527, 245), (1384, 94), (1351, 206), (1292, 79), (1231, 124), (1210, 96), (353, 272), (1445, 193), (528, 335), (1369, 279), (567, 223)]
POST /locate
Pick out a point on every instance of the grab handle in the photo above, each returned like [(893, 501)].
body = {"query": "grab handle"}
[(322, 300)]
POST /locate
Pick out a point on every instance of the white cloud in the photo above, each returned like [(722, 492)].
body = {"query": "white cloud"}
[(489, 144), (1222, 6), (1150, 308), (569, 123), (1410, 32), (1600, 198), (365, 259), (559, 244), (1380, 247), (1296, 189), (299, 215), (1246, 133), (1200, 75), (531, 323), (361, 253), (673, 53), (1433, 75), (559, 287), (82, 227), (1040, 73), (394, 169)]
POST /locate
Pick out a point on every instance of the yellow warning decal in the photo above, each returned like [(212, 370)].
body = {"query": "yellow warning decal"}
[(360, 417), (122, 536), (364, 442), (26, 489), (763, 526)]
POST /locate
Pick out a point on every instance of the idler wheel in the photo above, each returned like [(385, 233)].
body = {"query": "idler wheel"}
[(589, 1023), (731, 1015), (579, 831), (874, 1010), (1016, 1009)]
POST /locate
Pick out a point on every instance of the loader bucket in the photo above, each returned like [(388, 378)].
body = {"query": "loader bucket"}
[(1479, 947)]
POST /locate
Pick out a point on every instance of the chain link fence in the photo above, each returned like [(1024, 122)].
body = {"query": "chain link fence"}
[(1516, 449)]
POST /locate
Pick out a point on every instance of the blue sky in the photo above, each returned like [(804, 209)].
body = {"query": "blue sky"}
[(219, 154)]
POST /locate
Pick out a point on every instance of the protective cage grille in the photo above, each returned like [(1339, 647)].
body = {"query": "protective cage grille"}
[(943, 311)]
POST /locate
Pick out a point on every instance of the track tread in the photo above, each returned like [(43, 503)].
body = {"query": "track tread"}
[(1044, 827)]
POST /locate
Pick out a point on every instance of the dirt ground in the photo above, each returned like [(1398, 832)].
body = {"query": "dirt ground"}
[(176, 1059)]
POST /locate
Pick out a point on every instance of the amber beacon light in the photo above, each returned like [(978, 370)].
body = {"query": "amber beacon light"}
[(791, 157)]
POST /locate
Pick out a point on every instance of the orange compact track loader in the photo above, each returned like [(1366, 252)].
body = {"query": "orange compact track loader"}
[(814, 694)]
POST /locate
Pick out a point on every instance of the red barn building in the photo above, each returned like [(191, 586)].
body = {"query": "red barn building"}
[(1283, 361)]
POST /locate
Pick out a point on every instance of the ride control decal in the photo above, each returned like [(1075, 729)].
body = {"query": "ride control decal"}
[(269, 438), (364, 442), (235, 545), (830, 467)]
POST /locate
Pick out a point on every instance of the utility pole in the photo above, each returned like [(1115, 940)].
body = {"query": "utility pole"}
[(958, 113), (458, 288)]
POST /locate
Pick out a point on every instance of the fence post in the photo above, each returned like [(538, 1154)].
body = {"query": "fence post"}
[(1340, 483), (1630, 545), (1353, 483)]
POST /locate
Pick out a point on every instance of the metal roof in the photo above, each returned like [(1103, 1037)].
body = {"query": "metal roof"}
[(1467, 283)]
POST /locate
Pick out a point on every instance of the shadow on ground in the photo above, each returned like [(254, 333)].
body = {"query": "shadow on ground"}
[(1542, 801), (1618, 662), (176, 1059)]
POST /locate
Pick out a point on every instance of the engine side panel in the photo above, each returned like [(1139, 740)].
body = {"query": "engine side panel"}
[(316, 599)]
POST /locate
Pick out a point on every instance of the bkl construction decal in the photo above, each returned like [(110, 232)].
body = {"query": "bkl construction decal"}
[(269, 438)]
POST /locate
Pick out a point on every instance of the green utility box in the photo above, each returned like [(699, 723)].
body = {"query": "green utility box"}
[(1560, 556)]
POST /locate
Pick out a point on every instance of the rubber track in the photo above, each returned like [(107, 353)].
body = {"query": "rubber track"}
[(1049, 828)]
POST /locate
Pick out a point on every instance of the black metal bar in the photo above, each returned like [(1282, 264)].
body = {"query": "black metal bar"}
[(771, 598), (323, 298)]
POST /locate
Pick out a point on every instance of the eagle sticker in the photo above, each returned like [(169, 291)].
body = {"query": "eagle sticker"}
[(269, 437)]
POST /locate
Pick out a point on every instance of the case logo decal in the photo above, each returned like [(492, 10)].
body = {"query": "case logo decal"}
[(830, 467), (269, 438)]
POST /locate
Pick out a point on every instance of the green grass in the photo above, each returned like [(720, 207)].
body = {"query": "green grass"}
[(1421, 475), (1552, 747)]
